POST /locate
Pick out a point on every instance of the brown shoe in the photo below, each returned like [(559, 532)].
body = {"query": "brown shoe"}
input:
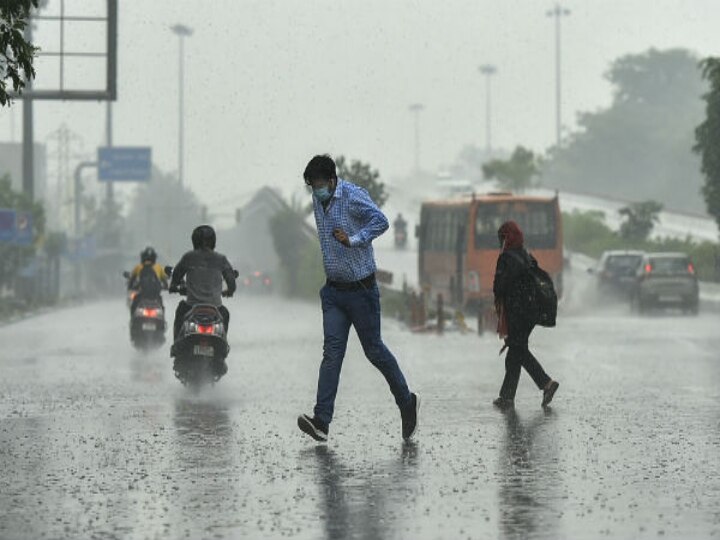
[(549, 392)]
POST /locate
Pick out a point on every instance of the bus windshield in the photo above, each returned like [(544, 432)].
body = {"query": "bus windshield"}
[(536, 219)]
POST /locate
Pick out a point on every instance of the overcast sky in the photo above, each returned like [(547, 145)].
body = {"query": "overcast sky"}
[(269, 83)]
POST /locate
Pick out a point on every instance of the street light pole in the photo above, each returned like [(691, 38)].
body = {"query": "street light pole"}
[(557, 12), (415, 108), (488, 70), (109, 142), (182, 32)]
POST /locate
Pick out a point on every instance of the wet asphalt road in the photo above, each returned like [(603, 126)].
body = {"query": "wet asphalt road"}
[(100, 441)]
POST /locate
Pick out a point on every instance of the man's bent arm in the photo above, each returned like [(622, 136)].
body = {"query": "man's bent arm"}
[(363, 207)]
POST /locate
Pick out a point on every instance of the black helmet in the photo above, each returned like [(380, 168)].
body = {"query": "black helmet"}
[(203, 237), (148, 254)]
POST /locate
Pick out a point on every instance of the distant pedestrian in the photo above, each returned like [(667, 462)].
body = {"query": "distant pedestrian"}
[(347, 222), (513, 299)]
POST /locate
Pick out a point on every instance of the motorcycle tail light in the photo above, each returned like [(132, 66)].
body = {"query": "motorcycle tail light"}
[(205, 329), (691, 268), (648, 268), (149, 312)]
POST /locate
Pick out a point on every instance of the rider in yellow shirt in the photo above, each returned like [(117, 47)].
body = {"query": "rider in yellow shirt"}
[(143, 282)]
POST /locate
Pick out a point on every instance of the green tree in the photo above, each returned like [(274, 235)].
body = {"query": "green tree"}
[(16, 53), (363, 175), (707, 139), (514, 173), (299, 254), (640, 147), (640, 218)]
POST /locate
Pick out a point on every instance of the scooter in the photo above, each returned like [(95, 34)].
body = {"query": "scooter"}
[(201, 346), (147, 320)]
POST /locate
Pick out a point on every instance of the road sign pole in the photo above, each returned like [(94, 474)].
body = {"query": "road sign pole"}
[(108, 141), (77, 187), (28, 176)]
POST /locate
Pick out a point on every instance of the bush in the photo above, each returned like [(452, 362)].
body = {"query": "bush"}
[(585, 232)]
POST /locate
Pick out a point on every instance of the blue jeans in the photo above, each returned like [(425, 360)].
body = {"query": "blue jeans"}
[(361, 309)]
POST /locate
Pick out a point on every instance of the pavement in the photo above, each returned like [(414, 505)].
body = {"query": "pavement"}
[(98, 440)]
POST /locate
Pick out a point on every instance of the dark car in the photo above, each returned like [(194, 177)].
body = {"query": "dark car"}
[(256, 282), (666, 280), (616, 271)]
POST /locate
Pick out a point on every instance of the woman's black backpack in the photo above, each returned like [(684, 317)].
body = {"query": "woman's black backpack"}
[(543, 297)]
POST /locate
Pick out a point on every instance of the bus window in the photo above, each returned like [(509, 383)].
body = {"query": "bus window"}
[(536, 219)]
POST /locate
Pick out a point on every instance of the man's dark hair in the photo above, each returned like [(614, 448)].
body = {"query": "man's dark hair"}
[(322, 167)]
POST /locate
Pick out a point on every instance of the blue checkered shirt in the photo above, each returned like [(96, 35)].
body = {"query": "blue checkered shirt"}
[(352, 210)]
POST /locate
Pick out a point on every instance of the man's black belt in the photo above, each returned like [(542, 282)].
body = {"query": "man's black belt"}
[(364, 283)]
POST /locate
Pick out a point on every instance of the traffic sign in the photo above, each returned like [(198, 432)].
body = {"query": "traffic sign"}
[(16, 227), (7, 225), (124, 164)]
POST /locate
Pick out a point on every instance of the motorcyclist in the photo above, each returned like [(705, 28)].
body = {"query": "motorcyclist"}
[(204, 270), (148, 278)]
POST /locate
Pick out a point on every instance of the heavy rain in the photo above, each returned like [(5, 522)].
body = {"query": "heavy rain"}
[(177, 267)]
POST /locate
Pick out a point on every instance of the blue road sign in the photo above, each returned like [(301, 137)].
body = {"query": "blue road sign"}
[(16, 227), (7, 225), (124, 163)]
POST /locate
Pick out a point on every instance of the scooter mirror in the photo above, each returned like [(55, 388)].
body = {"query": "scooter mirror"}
[(168, 270)]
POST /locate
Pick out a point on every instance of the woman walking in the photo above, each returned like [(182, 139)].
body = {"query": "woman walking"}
[(515, 309)]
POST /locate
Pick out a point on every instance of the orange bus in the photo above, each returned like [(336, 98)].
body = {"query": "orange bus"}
[(458, 245)]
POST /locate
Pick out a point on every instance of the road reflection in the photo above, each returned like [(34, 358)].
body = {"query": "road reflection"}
[(206, 493), (362, 501), (204, 434), (529, 477)]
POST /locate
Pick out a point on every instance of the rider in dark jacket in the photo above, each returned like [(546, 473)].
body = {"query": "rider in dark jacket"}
[(204, 270), (514, 305)]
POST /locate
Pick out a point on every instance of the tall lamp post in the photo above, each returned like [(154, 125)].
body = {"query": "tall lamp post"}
[(488, 70), (558, 12), (416, 108), (182, 32)]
